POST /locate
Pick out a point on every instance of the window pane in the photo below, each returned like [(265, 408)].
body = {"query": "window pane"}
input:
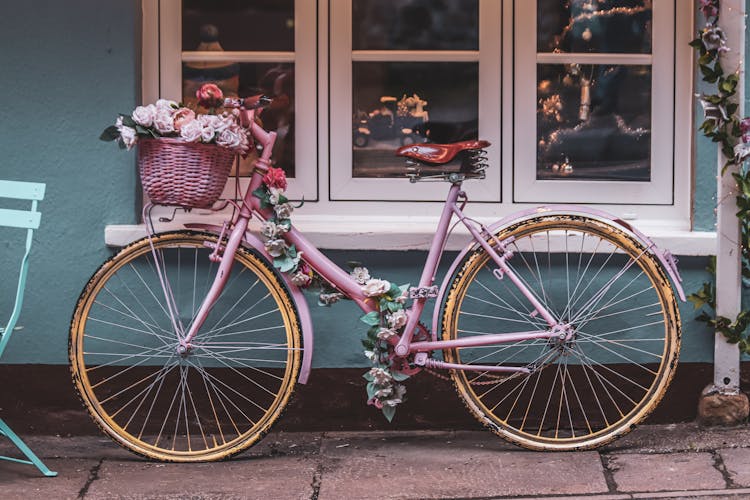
[(402, 103), (594, 122), (247, 79), (415, 25), (612, 26), (242, 25)]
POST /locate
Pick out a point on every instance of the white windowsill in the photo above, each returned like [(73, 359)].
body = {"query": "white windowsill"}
[(405, 233)]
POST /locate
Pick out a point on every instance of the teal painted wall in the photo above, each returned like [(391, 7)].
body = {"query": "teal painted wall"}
[(66, 69)]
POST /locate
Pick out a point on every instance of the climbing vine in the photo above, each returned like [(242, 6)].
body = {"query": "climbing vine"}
[(722, 125)]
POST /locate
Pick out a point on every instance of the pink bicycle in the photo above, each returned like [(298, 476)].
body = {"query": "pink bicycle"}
[(558, 325)]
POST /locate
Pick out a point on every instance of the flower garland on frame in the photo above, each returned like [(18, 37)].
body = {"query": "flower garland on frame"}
[(386, 323), (722, 125)]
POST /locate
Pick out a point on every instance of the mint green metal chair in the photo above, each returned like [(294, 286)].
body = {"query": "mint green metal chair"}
[(29, 220)]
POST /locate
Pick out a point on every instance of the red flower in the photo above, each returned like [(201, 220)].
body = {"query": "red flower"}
[(210, 95), (275, 178)]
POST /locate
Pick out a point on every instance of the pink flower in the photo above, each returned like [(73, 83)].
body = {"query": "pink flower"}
[(210, 95), (745, 125), (709, 8), (182, 117), (275, 178), (375, 402)]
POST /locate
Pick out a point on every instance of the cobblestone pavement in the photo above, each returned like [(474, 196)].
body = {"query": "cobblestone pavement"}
[(659, 461)]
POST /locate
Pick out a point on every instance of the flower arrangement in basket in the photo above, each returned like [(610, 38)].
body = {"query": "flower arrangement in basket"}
[(184, 157)]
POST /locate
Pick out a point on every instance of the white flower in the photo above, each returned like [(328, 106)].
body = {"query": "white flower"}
[(166, 104), (229, 139), (163, 121), (375, 287), (191, 131), (283, 211), (118, 123), (128, 136), (273, 195), (371, 355), (399, 391), (397, 319), (225, 123), (741, 151), (276, 248), (386, 334), (380, 376), (384, 392), (144, 115), (207, 133), (301, 279), (361, 275), (271, 230)]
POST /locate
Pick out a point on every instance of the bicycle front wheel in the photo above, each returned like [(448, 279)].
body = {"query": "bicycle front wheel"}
[(210, 402), (598, 382)]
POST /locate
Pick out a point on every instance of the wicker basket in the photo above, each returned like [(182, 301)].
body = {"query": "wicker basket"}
[(188, 174)]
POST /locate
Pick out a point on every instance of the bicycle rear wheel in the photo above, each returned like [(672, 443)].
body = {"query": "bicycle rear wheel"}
[(609, 375), (209, 403)]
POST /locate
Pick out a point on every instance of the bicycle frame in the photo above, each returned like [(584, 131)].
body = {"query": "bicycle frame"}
[(481, 236)]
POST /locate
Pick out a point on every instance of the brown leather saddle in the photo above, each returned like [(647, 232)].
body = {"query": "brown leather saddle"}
[(438, 154)]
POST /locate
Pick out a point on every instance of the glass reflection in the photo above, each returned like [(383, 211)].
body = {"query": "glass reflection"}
[(593, 122), (605, 26), (256, 25), (415, 25), (247, 79), (402, 103)]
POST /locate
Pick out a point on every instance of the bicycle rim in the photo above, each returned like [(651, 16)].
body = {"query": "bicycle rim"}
[(593, 387), (209, 403)]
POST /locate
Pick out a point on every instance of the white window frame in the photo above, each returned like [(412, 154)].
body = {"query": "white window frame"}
[(169, 86), (345, 187), (660, 189), (332, 222)]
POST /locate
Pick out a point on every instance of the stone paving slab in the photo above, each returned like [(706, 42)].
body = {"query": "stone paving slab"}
[(267, 478), (737, 463), (665, 472), (436, 467), (24, 482)]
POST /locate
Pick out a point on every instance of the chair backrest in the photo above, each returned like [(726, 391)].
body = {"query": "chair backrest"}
[(28, 219)]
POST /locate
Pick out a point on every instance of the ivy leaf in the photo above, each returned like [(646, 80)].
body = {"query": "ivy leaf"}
[(371, 318), (389, 412), (110, 134)]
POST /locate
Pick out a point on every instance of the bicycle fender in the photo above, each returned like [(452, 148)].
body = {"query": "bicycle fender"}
[(666, 259), (297, 296)]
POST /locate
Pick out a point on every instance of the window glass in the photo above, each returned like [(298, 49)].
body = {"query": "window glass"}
[(593, 122), (415, 25), (402, 103), (240, 25), (604, 26)]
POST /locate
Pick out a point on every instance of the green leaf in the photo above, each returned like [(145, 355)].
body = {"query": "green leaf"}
[(399, 377), (371, 390), (389, 412), (128, 121), (110, 134), (371, 318), (284, 263)]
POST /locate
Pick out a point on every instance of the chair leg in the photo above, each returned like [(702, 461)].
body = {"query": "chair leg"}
[(32, 458)]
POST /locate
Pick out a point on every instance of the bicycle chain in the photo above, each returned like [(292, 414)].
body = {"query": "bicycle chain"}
[(486, 382)]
